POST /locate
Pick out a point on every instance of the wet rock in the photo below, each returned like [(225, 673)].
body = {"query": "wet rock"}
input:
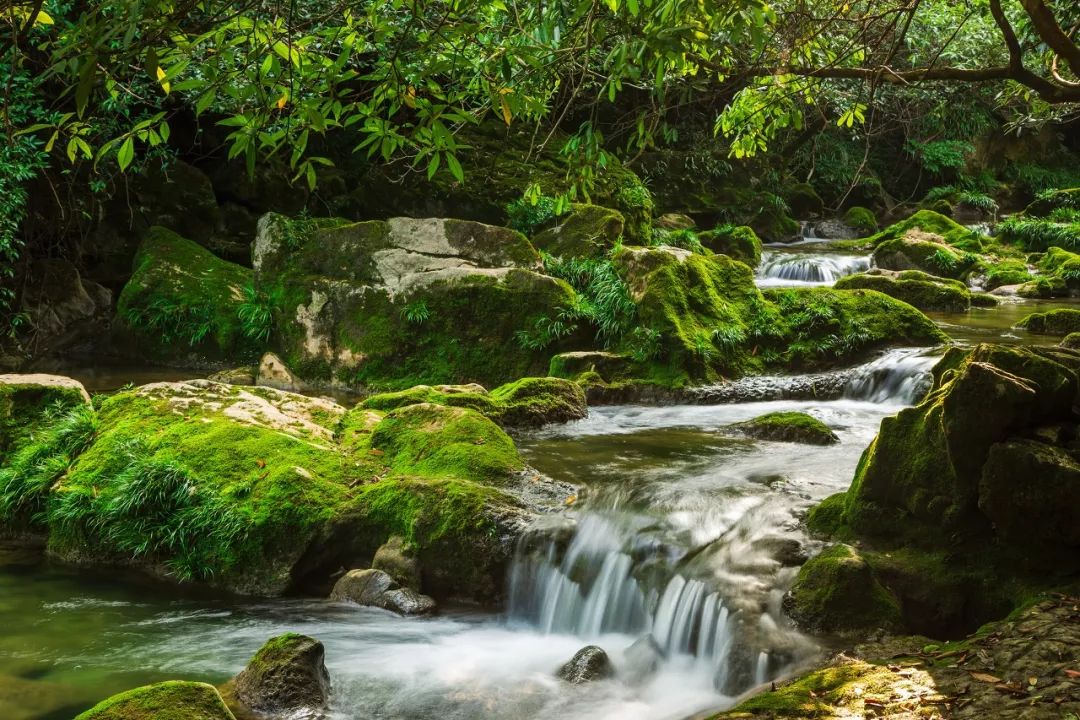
[(1054, 322), (834, 229), (378, 589), (610, 366), (286, 677), (63, 306), (273, 373), (398, 561), (739, 242), (590, 663), (789, 552), (796, 427), (642, 659), (164, 701)]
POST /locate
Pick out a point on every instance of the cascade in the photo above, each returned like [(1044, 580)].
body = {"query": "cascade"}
[(790, 268)]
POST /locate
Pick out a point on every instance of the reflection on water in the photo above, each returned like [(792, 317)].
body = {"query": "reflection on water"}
[(996, 324)]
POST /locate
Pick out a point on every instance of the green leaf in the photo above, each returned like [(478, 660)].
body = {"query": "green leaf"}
[(455, 167), (126, 153)]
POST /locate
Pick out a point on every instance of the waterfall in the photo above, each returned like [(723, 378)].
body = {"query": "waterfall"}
[(899, 376), (780, 268), (598, 584)]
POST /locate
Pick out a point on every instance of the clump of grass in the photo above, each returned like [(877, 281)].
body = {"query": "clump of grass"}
[(173, 321), (605, 300), (35, 468), (256, 314), (153, 507), (415, 313), (1037, 235)]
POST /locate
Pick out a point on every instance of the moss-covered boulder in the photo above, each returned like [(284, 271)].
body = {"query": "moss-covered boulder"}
[(1053, 322), (930, 223), (183, 302), (919, 250), (736, 241), (926, 292), (796, 427), (404, 302), (529, 402), (172, 700), (257, 490), (1071, 341), (803, 200), (966, 504), (29, 401), (285, 678), (836, 591), (1049, 201), (1006, 272), (587, 231), (862, 220)]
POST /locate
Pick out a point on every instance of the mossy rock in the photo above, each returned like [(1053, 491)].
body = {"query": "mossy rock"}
[(1006, 272), (983, 300), (923, 291), (1043, 288), (921, 251), (736, 241), (182, 301), (438, 441), (588, 231), (529, 402), (1071, 341), (861, 219), (256, 490), (406, 302), (172, 700), (1047, 202), (28, 401), (796, 427), (1054, 322), (286, 677), (608, 366), (836, 591), (928, 222)]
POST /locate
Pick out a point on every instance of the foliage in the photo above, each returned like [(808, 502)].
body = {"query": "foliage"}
[(940, 156), (173, 321), (1038, 235), (978, 201), (527, 215), (256, 314), (604, 301), (685, 239), (415, 312)]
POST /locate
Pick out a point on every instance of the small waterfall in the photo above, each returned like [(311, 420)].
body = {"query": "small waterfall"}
[(899, 376), (606, 579), (780, 268)]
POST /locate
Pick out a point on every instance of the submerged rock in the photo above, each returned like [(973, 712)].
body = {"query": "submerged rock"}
[(590, 663), (642, 659), (286, 678), (796, 427), (378, 589), (172, 700)]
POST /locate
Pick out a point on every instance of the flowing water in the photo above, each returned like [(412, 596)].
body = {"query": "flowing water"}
[(804, 268), (681, 547)]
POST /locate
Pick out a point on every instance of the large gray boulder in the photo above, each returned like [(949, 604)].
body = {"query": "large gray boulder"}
[(588, 664)]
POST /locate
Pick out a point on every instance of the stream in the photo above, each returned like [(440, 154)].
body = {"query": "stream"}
[(674, 559)]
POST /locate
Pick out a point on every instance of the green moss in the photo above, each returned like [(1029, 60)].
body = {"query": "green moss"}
[(861, 219), (182, 299), (788, 427), (172, 700), (1053, 322), (26, 406), (984, 300), (588, 231), (918, 289), (525, 402), (849, 684), (438, 441), (1007, 272), (736, 241), (928, 221), (837, 591), (1072, 341)]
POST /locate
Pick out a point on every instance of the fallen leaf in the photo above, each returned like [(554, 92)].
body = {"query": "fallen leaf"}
[(1072, 673), (1033, 681), (376, 452), (983, 677), (261, 463)]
